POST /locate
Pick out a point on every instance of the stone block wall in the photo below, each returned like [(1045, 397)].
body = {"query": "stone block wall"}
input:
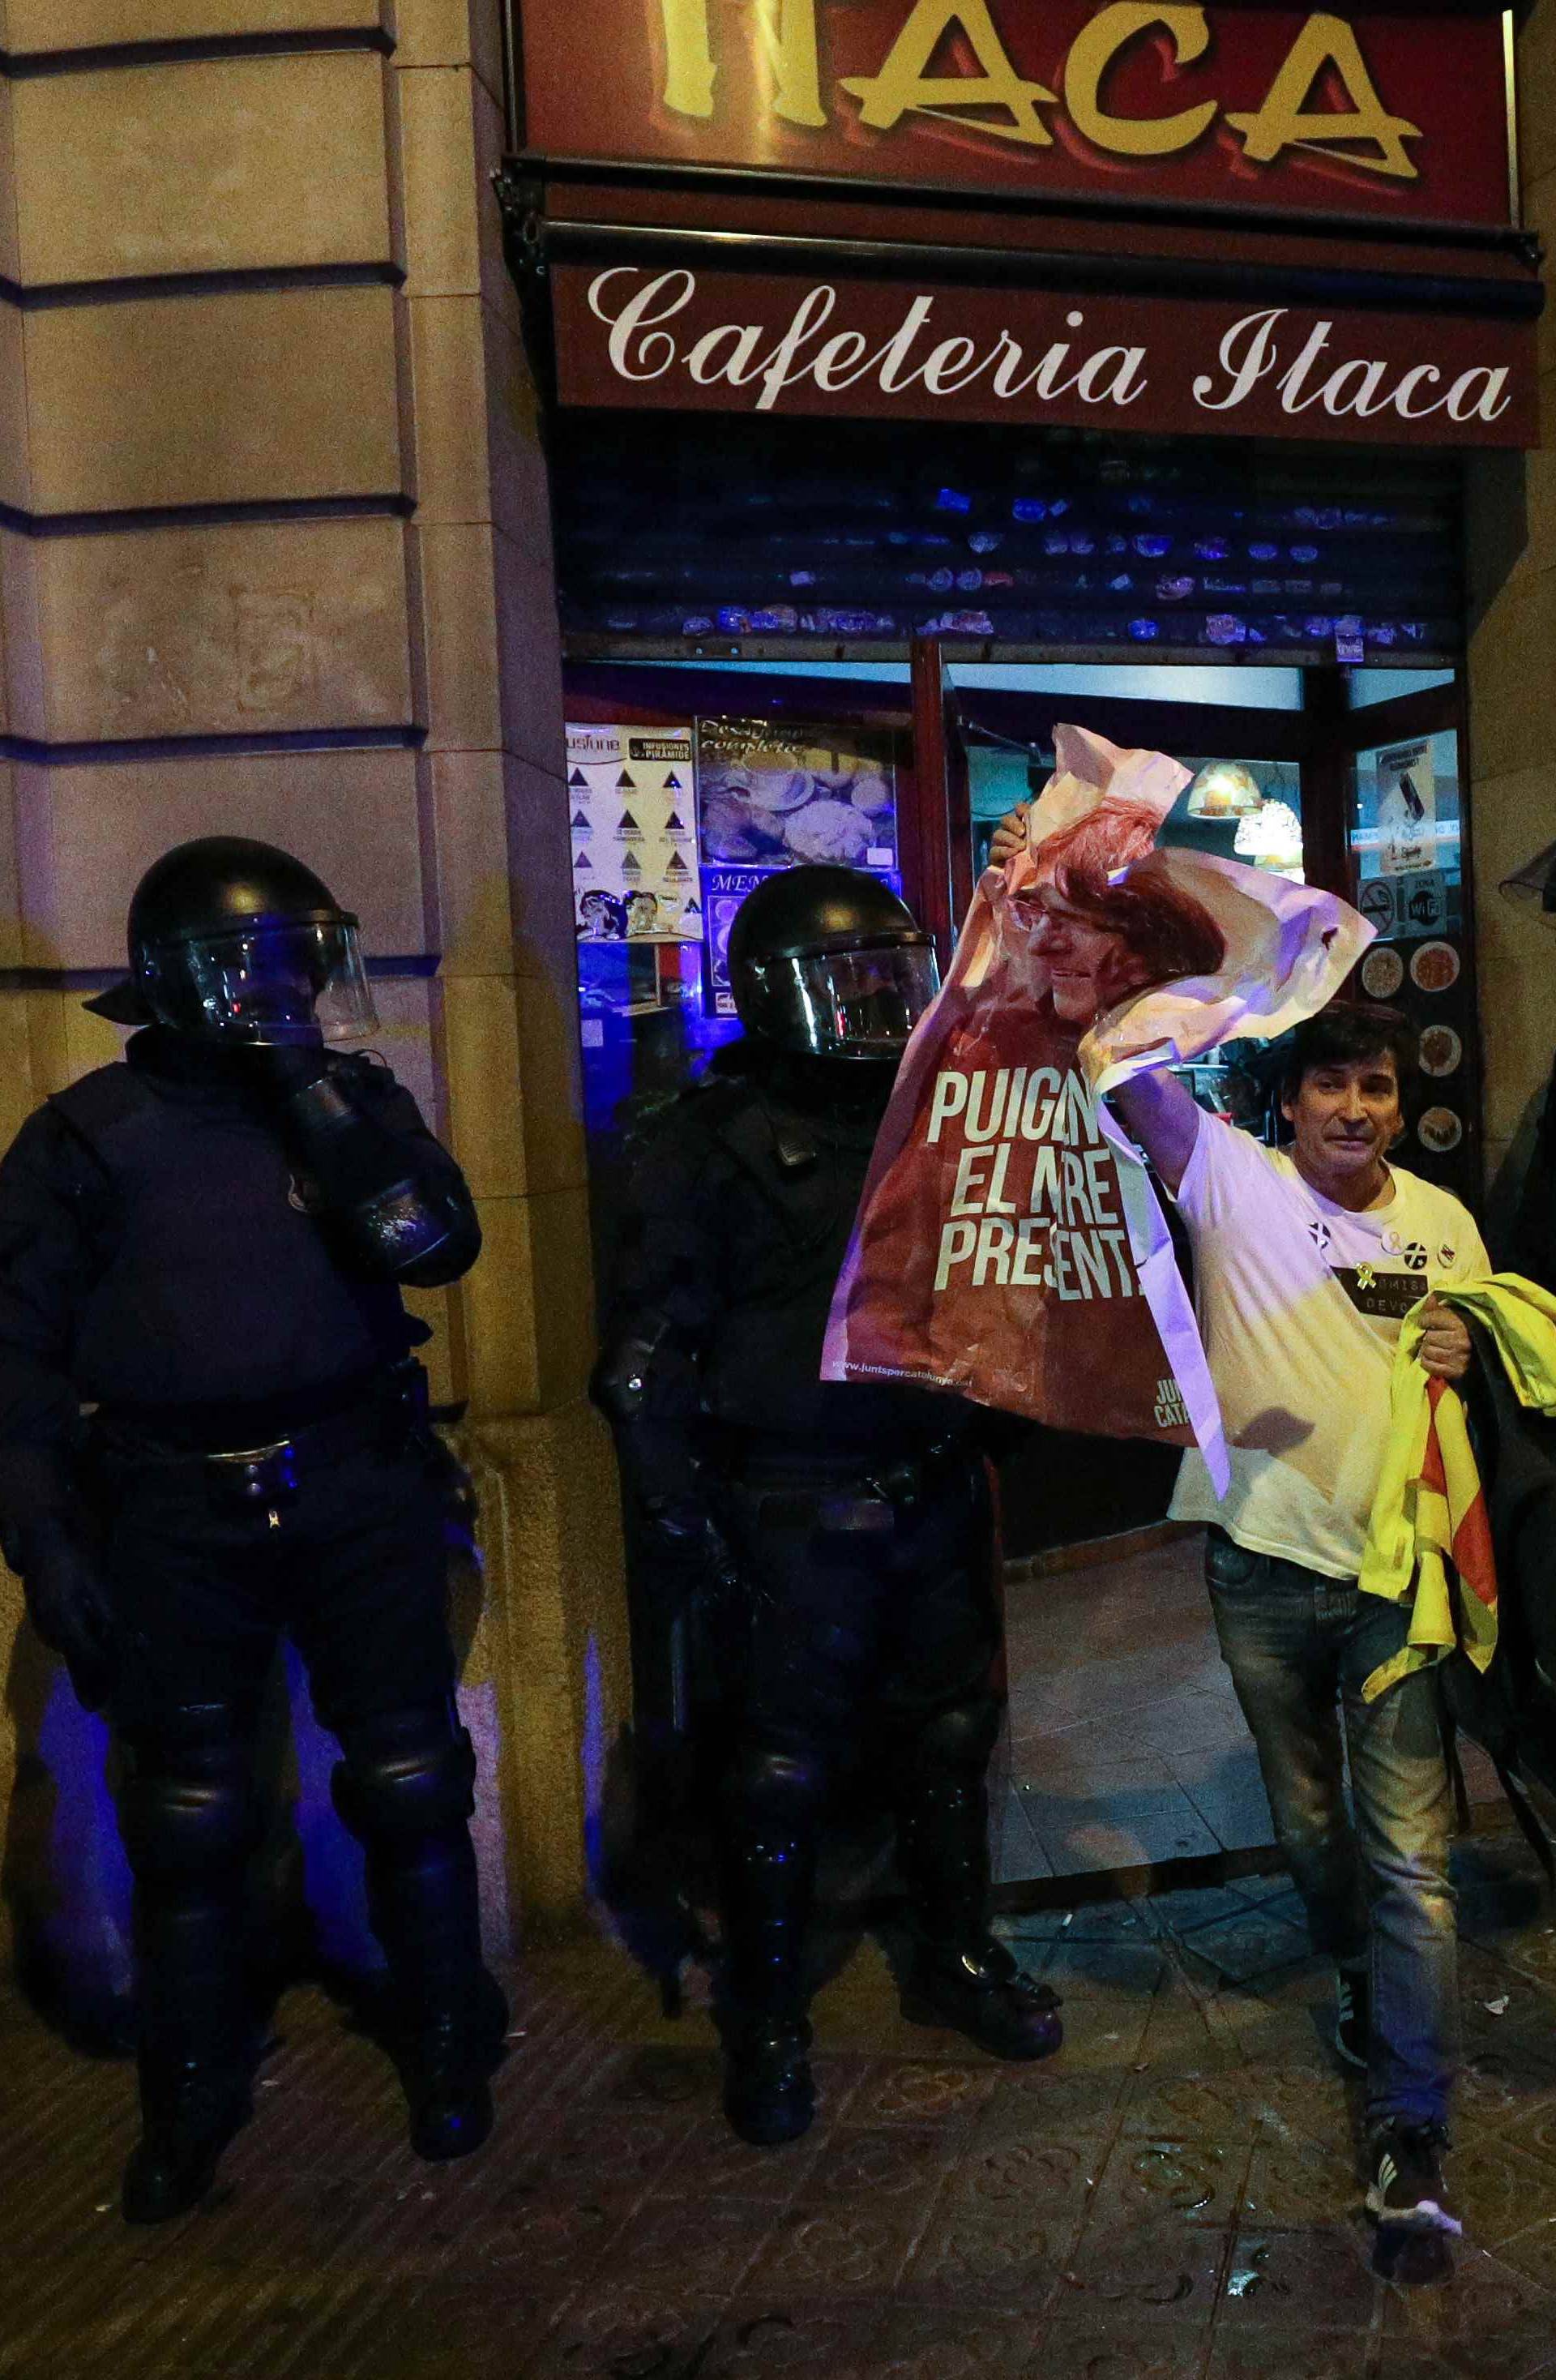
[(1512, 670), (274, 558)]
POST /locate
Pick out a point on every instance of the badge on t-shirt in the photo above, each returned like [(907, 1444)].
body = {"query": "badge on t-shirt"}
[(1380, 1292), (1320, 1234)]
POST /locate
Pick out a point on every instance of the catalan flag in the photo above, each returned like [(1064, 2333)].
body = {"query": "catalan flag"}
[(1429, 1537)]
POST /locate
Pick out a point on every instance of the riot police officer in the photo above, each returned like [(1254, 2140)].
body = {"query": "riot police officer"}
[(206, 1241), (850, 1525)]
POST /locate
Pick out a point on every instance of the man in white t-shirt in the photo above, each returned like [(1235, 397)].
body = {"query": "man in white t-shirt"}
[(1306, 1258)]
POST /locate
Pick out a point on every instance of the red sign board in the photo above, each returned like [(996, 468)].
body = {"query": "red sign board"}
[(1401, 116), (630, 336)]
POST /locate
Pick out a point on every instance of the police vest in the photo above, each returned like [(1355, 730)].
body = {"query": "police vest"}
[(207, 1280)]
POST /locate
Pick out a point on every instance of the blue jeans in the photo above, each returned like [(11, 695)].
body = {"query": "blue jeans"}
[(1299, 1646)]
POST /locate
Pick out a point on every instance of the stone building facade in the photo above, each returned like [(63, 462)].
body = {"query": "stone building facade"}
[(275, 557)]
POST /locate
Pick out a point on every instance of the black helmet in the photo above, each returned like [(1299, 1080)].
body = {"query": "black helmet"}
[(827, 962), (232, 941), (1535, 883)]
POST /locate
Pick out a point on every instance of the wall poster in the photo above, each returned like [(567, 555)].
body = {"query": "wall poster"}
[(771, 797), (633, 817), (1406, 809)]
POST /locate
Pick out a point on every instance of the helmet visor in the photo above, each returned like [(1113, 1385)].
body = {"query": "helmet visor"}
[(268, 985), (1533, 885), (858, 1003)]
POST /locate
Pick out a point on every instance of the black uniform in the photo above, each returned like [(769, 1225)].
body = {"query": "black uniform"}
[(848, 1526), (207, 1247), (158, 1263)]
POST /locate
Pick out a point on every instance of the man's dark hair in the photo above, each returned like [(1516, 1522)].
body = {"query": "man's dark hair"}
[(1345, 1035)]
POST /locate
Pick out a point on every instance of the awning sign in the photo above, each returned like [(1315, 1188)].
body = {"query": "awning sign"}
[(633, 335), (1400, 116)]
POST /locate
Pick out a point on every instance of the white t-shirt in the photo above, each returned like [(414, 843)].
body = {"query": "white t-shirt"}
[(1299, 1305)]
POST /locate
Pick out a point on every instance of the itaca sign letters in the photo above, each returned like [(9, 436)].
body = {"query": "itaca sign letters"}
[(1395, 115)]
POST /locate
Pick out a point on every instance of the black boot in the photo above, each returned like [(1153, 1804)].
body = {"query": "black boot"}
[(981, 1991), (447, 2068), (190, 1826), (960, 1975), (189, 2110), (197, 2050), (405, 1788), (768, 1886), (450, 2016)]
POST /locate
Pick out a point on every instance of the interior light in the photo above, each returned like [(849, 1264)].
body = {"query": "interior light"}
[(1272, 838), (1224, 789)]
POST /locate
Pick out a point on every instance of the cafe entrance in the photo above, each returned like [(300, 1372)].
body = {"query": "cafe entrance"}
[(908, 401), (1294, 781), (724, 721)]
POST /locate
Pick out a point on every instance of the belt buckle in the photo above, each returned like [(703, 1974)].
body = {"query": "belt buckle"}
[(258, 1479)]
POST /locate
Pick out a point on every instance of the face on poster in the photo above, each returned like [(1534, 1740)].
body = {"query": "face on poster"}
[(633, 815)]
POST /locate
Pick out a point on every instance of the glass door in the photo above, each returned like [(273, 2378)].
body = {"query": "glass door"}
[(685, 789)]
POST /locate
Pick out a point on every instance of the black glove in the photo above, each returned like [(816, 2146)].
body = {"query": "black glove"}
[(691, 1552), (288, 1068), (67, 1600)]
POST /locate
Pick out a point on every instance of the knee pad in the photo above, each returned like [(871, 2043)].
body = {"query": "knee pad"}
[(405, 1775), (958, 1742), (777, 1787), (187, 1807)]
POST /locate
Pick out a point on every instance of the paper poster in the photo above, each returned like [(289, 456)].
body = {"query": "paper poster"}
[(1007, 1243), (1406, 809), (994, 1251), (632, 812), (723, 890), (773, 798)]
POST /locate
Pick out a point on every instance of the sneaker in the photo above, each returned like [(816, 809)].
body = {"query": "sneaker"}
[(1406, 2185), (1353, 2015)]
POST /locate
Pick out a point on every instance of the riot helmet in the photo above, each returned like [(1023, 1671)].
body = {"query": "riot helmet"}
[(234, 943), (826, 962), (1534, 884)]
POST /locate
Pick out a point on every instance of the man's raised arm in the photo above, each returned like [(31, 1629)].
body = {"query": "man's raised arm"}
[(1161, 1116), (1156, 1111)]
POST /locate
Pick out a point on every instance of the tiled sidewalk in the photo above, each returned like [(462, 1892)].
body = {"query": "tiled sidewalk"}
[(1128, 1749), (1172, 2197)]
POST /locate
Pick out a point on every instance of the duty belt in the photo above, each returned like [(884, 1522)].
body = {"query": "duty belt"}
[(266, 1477), (872, 1502)]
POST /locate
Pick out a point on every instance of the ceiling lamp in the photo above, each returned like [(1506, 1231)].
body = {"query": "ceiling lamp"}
[(1224, 789)]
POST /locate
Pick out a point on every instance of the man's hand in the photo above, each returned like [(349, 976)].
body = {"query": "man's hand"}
[(67, 1601), (1009, 836), (1446, 1350)]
